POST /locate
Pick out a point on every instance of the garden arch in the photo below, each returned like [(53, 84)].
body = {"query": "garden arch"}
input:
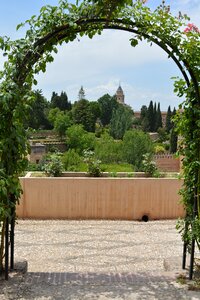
[(58, 24)]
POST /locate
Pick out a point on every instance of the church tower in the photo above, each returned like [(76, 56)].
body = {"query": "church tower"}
[(120, 95)]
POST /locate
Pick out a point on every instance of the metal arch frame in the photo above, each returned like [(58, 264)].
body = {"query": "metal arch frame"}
[(64, 31), (59, 34), (9, 243)]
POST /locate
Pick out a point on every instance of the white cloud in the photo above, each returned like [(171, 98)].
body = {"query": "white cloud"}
[(92, 57), (93, 61)]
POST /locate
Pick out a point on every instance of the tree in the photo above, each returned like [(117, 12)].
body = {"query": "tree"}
[(95, 109), (144, 118), (79, 139), (151, 116), (85, 114), (38, 110), (136, 143), (62, 123), (94, 114), (173, 114), (121, 121), (54, 103), (173, 135), (154, 116), (168, 119), (52, 115), (64, 103), (158, 123), (108, 150), (143, 112), (60, 102), (107, 104), (173, 141)]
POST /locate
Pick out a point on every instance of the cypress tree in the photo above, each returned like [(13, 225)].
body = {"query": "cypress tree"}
[(107, 104), (154, 116), (144, 118), (60, 102), (168, 120), (173, 135), (64, 103), (174, 112), (54, 100), (143, 112), (173, 141), (158, 118), (151, 116)]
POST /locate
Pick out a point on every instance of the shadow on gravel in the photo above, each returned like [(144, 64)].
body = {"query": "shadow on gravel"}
[(92, 286)]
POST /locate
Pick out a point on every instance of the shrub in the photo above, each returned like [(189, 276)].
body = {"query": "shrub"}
[(34, 167), (149, 166), (159, 149), (71, 160), (54, 167), (135, 144), (162, 135), (94, 168), (79, 139), (108, 150)]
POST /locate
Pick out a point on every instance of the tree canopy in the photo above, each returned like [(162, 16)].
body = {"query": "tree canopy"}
[(61, 101), (121, 121)]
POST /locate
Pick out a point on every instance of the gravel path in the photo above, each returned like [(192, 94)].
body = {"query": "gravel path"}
[(96, 246), (96, 260)]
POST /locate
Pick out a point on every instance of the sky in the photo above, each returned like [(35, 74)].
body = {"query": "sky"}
[(101, 64)]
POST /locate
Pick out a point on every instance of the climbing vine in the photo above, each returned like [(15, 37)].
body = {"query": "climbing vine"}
[(64, 23)]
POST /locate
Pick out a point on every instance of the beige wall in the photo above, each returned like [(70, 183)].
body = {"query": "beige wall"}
[(100, 198)]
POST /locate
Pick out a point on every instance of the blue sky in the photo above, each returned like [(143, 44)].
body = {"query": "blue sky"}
[(101, 63)]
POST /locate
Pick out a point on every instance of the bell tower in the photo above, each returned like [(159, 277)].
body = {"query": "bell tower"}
[(120, 95)]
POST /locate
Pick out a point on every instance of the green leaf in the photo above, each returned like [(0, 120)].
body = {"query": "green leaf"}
[(19, 26), (134, 42)]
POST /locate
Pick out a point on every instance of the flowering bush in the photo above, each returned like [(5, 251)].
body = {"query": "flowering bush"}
[(191, 28), (149, 166), (93, 164), (54, 166)]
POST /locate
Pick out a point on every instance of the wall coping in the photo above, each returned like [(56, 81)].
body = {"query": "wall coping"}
[(28, 176)]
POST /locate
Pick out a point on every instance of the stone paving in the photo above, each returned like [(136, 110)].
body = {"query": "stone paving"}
[(96, 260)]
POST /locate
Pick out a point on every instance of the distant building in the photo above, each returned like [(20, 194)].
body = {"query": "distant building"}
[(38, 150), (120, 98), (120, 95), (163, 114)]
